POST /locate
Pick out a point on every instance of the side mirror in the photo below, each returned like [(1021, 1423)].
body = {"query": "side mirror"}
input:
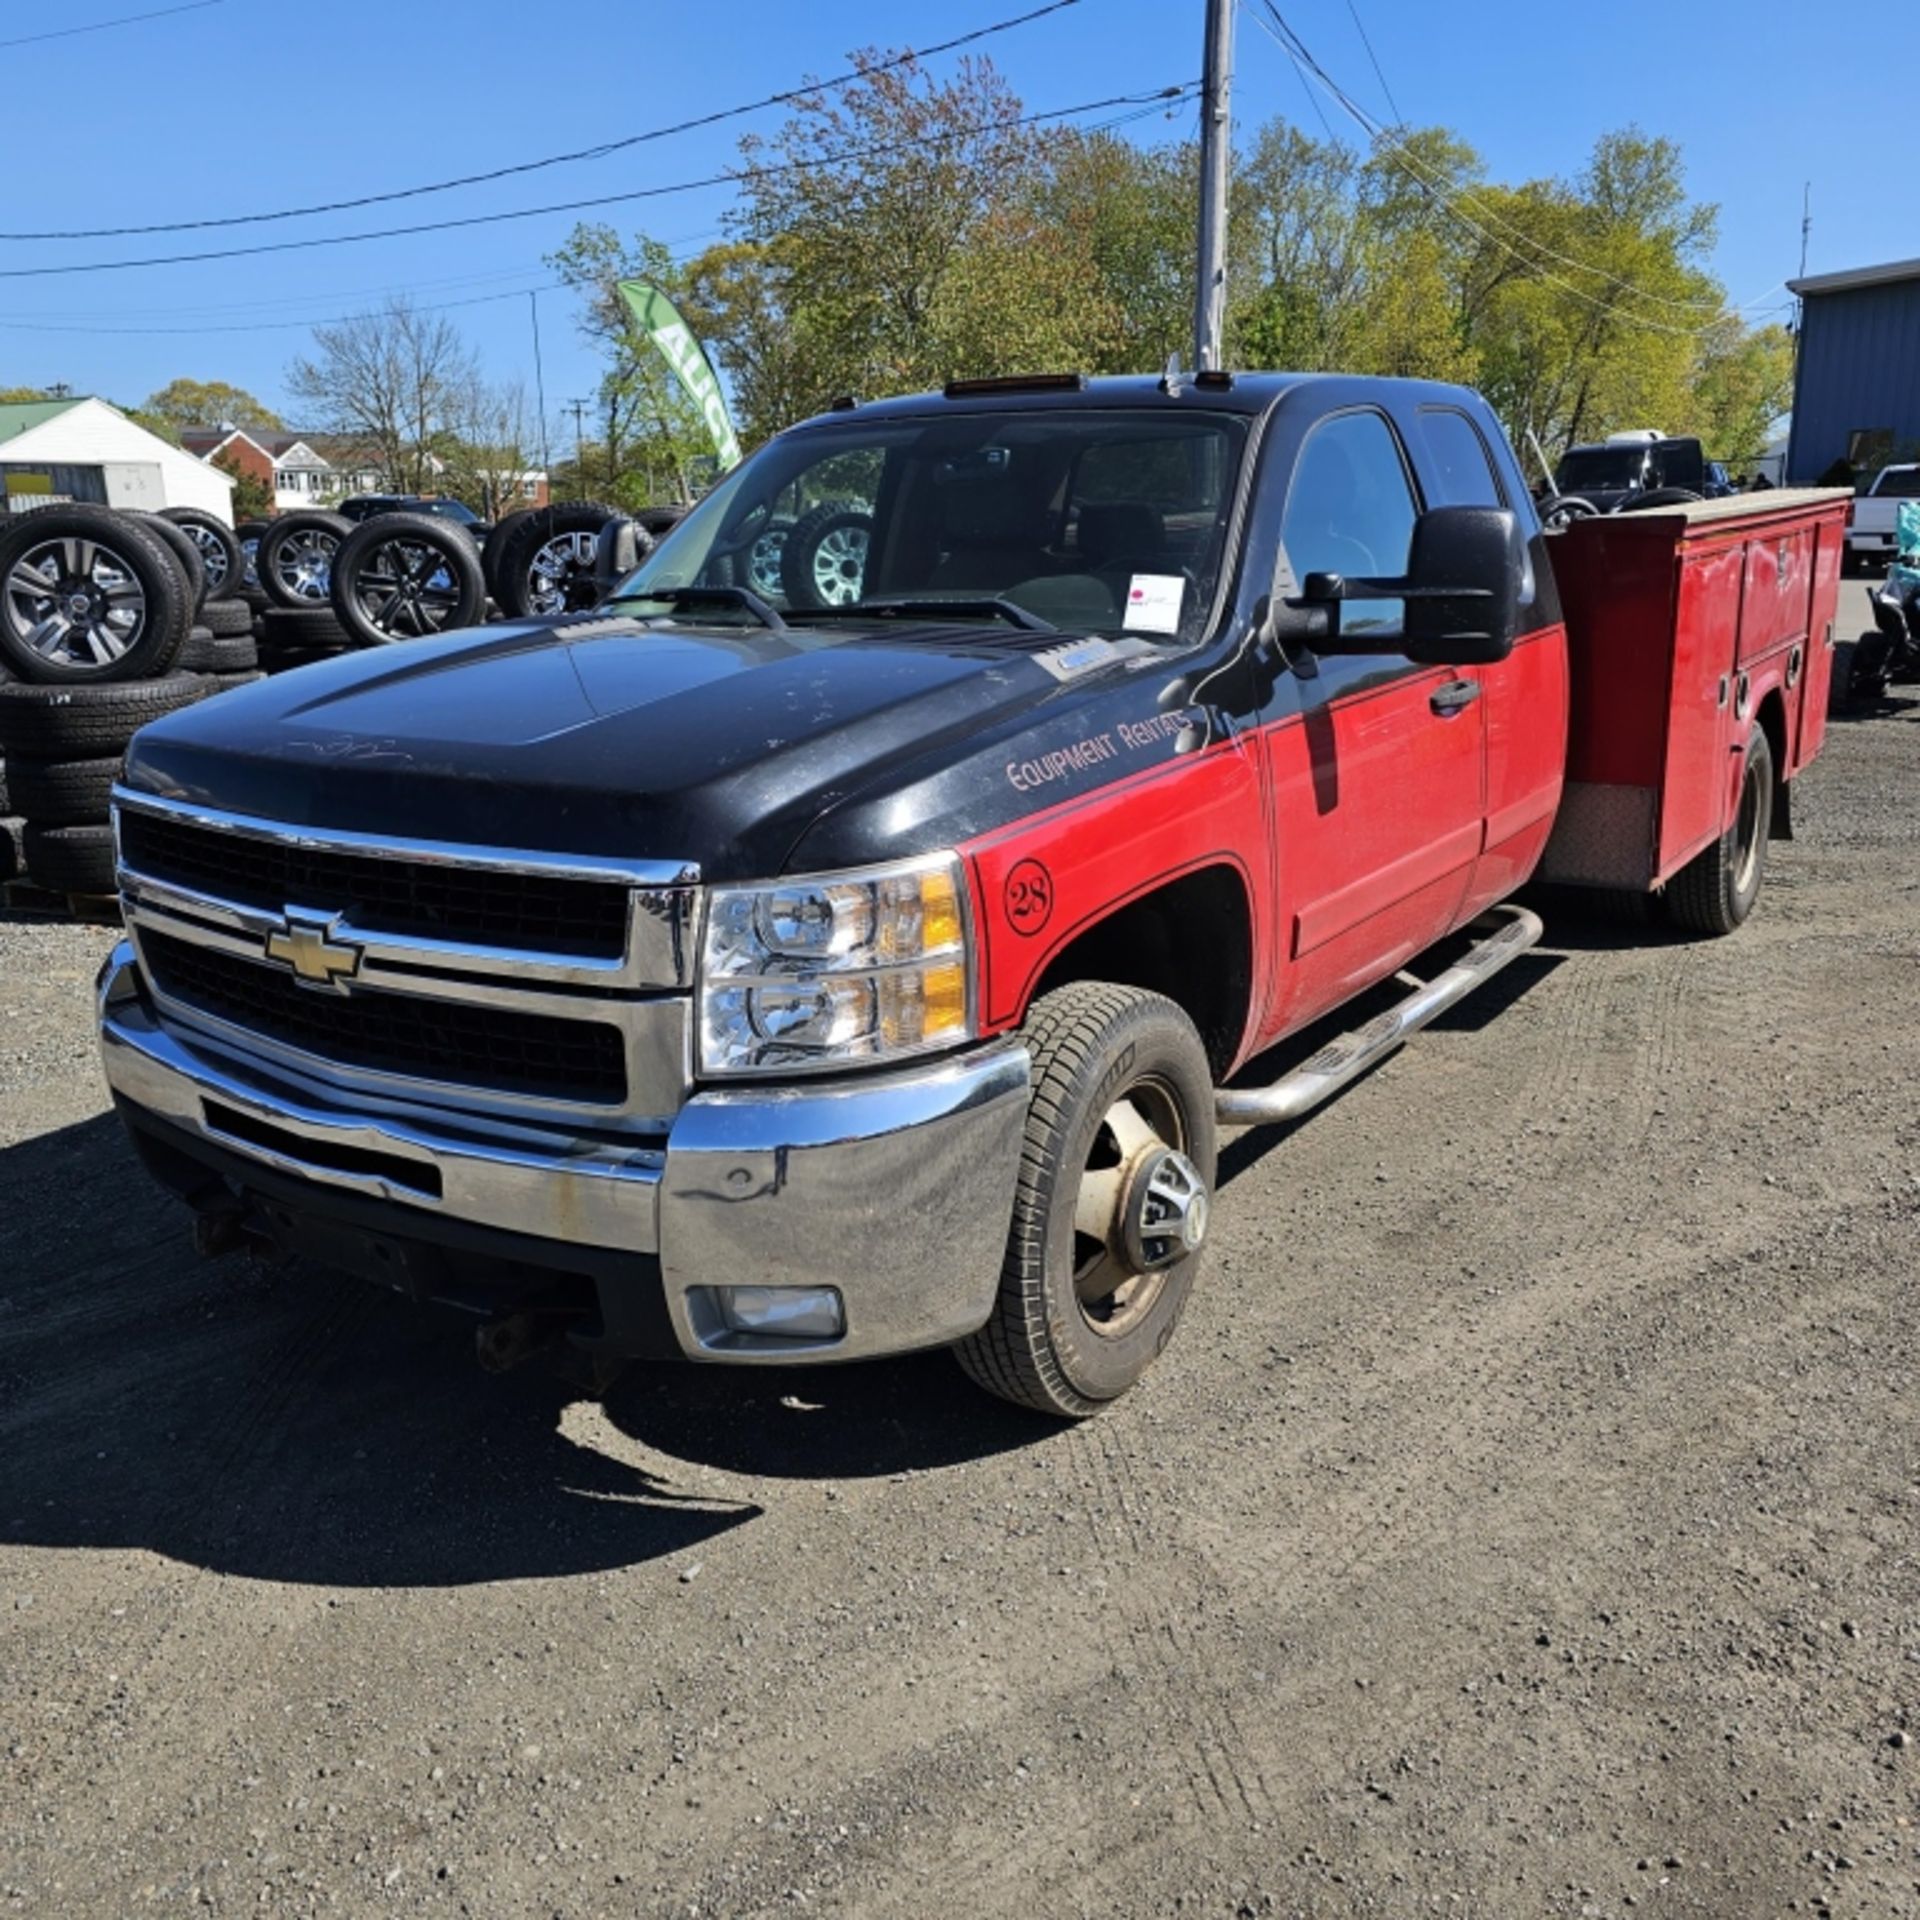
[(1461, 589), (616, 553)]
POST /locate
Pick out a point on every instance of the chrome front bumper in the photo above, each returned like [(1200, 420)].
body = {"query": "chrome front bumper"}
[(895, 1188)]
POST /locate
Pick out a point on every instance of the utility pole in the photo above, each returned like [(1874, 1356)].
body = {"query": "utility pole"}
[(578, 408), (1216, 162)]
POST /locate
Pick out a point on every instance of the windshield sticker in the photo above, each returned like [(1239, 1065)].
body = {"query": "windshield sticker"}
[(1153, 602)]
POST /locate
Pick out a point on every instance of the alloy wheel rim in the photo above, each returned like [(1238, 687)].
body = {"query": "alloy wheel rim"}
[(763, 562), (406, 589), (840, 565), (213, 557), (556, 568), (75, 602), (303, 562)]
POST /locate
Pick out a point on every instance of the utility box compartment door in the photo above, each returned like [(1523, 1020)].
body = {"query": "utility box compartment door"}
[(1779, 589), (1700, 719)]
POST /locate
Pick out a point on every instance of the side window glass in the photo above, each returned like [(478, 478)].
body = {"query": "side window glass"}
[(1349, 510), (1458, 459)]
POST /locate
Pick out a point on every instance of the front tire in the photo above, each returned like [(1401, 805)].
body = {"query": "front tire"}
[(1110, 1211)]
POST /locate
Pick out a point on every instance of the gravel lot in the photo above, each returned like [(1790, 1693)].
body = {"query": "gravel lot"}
[(1523, 1523)]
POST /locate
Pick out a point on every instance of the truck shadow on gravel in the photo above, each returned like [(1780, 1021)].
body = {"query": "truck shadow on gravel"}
[(299, 1425)]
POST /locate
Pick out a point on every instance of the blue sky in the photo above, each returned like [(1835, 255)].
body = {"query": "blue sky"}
[(245, 105)]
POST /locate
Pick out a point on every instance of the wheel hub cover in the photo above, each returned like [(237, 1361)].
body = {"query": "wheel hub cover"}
[(1164, 1215), (80, 605)]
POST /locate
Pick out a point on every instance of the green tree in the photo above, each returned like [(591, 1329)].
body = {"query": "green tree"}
[(650, 442), (1742, 384), (209, 403), (252, 497), (899, 227)]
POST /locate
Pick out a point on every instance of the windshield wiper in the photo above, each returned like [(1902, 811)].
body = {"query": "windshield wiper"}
[(690, 597), (984, 608)]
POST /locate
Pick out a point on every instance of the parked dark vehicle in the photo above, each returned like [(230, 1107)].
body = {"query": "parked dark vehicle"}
[(826, 954), (363, 506), (1612, 472)]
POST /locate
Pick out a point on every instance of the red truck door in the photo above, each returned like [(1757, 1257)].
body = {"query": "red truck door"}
[(1377, 779), (1524, 703)]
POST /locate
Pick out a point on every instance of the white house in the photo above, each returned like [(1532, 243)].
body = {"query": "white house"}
[(52, 451)]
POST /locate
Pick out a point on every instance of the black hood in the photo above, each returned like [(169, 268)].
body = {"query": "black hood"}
[(671, 741)]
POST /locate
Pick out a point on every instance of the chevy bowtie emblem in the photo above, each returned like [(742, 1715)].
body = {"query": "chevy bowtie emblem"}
[(306, 945)]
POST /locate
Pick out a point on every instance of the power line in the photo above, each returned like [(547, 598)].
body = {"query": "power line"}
[(100, 26), (1393, 105), (272, 326), (302, 303), (1150, 101), (1297, 51), (598, 152)]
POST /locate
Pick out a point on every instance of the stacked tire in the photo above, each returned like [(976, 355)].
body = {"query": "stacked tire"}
[(540, 561), (98, 612), (293, 561)]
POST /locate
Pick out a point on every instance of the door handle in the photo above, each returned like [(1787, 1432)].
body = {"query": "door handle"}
[(1454, 697)]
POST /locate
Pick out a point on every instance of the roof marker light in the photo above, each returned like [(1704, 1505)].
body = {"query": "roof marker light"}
[(1016, 383)]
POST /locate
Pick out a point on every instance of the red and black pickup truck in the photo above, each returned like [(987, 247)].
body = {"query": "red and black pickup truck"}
[(853, 936)]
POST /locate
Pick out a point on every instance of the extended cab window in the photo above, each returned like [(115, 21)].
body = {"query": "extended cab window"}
[(1458, 459), (1350, 510)]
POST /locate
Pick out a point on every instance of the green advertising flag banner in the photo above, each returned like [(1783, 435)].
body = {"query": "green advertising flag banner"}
[(659, 319)]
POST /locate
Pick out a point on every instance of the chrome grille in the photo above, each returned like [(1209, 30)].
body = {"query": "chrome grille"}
[(495, 982), (460, 1043), (528, 911)]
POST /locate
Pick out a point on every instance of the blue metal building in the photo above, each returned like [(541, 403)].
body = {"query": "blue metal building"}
[(1856, 386)]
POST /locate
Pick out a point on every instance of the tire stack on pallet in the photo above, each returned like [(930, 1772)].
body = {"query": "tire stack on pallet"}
[(107, 620), (329, 584)]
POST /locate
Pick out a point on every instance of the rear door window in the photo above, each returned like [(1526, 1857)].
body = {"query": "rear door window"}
[(1458, 461)]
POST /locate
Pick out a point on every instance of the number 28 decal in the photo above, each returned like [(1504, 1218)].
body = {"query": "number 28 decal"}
[(1029, 897)]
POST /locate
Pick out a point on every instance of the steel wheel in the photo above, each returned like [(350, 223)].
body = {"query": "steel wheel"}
[(1141, 1207), (303, 563), (556, 571), (403, 587), (1748, 835), (75, 603), (840, 565)]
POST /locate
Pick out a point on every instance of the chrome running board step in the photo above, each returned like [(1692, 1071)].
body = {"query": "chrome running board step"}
[(1509, 932)]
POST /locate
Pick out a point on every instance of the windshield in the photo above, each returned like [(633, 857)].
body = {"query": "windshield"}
[(1600, 467), (1092, 521)]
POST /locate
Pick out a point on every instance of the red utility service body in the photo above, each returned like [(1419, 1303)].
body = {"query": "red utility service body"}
[(1683, 626)]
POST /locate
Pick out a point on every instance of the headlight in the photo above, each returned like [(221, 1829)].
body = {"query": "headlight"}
[(835, 969)]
